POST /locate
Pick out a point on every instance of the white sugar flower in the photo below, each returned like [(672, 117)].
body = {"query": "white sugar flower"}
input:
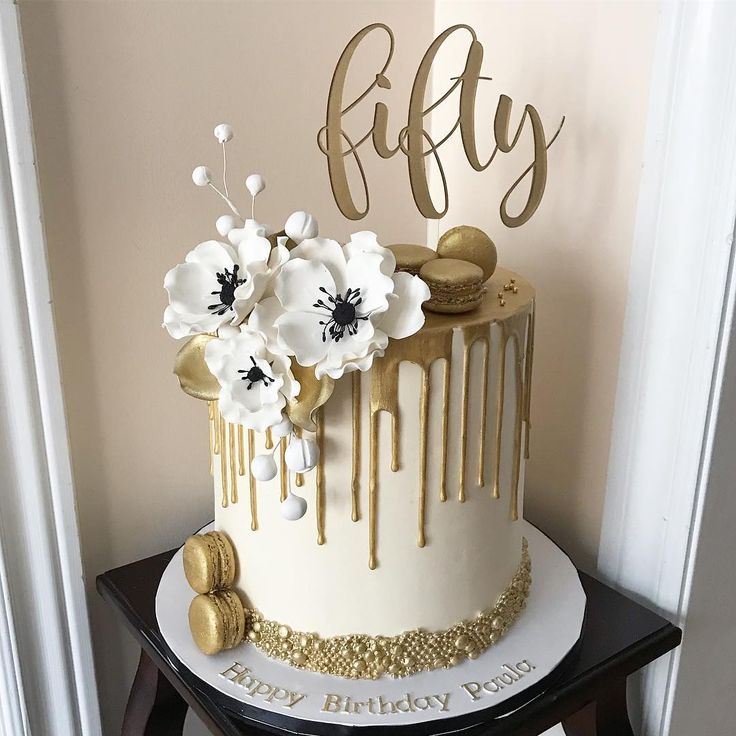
[(219, 284), (335, 307), (255, 384)]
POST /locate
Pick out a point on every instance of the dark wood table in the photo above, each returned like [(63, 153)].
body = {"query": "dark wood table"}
[(588, 697)]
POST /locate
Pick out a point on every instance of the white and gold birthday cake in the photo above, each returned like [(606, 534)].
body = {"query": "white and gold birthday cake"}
[(368, 415)]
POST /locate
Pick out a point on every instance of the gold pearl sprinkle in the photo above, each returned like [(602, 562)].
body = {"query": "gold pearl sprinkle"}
[(369, 657)]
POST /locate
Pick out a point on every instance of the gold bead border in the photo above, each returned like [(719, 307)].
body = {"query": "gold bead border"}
[(358, 656)]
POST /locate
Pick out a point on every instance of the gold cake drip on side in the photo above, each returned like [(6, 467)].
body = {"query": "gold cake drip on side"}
[(284, 471), (355, 481), (241, 451), (358, 656), (298, 477), (231, 432), (320, 480), (252, 481)]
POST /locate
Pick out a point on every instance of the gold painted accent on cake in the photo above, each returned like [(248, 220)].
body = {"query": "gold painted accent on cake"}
[(373, 491), (423, 416), (269, 439), (519, 413), (357, 438), (528, 363), (320, 479), (464, 423), (445, 421), (252, 481), (500, 393), (216, 427), (313, 393), (358, 656), (284, 474), (298, 477), (211, 431), (222, 427), (241, 451), (233, 465)]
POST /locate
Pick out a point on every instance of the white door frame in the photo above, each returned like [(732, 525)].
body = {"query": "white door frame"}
[(47, 677), (676, 330)]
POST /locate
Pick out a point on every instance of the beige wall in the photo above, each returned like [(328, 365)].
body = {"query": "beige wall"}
[(124, 97), (591, 62)]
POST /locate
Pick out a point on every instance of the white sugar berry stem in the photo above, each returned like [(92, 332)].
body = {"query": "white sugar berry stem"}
[(224, 170), (226, 199)]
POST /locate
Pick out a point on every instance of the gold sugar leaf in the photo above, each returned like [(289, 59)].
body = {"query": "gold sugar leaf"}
[(190, 368), (314, 393)]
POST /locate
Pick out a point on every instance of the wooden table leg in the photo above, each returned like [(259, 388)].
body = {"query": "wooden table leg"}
[(611, 711), (608, 715), (154, 707)]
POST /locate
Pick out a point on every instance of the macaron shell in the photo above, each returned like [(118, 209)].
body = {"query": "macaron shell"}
[(217, 621), (456, 286), (470, 244), (410, 258), (209, 562)]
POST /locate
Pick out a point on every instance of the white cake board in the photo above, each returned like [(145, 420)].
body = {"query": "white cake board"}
[(518, 668)]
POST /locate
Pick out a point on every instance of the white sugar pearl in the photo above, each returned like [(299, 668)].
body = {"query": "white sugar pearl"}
[(301, 455), (201, 176), (283, 428), (226, 223), (263, 467), (293, 507), (255, 184), (223, 133), (300, 226)]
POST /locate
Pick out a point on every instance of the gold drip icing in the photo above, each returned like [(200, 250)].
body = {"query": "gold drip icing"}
[(284, 474), (373, 492), (211, 428), (269, 439), (445, 421), (252, 481), (471, 335), (528, 361), (233, 465), (222, 426), (241, 451), (359, 656), (355, 483), (423, 415), (519, 413), (298, 477), (320, 480), (483, 413), (216, 427)]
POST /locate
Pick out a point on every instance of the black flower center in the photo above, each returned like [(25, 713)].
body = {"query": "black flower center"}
[(228, 282), (255, 375), (343, 311)]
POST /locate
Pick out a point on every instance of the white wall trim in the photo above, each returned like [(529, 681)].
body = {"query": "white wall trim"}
[(46, 666), (674, 327)]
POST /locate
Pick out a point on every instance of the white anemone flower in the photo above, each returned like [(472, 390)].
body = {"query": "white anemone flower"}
[(335, 307), (255, 384), (219, 284)]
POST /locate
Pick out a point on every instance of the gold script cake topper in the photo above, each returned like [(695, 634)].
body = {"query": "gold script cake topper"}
[(415, 142)]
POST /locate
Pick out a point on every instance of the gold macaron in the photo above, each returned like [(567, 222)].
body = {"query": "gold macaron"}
[(410, 258), (470, 244), (209, 562), (456, 286), (217, 621)]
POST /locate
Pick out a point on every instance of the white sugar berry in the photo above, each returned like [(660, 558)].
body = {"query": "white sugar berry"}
[(226, 223), (293, 507), (255, 184), (301, 455), (223, 133), (201, 176), (301, 226), (263, 467)]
